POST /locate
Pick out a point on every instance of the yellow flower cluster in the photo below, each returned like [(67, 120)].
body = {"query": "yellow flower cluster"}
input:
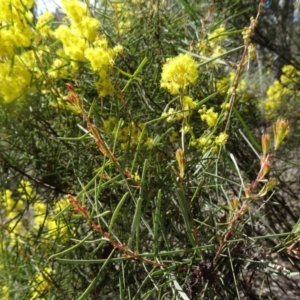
[(102, 59), (82, 43), (37, 216), (62, 67), (217, 51), (174, 137), (125, 16), (40, 283), (109, 124), (15, 20), (43, 219), (209, 116), (218, 34), (43, 30), (248, 31), (243, 91), (128, 136), (15, 33), (172, 115), (207, 142), (178, 73), (13, 211), (275, 98), (82, 25), (282, 93), (221, 139), (211, 46), (188, 104), (24, 50), (204, 143)]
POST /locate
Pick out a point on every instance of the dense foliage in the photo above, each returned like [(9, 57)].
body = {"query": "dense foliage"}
[(133, 165)]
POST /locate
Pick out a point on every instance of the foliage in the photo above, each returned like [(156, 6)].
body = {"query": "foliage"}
[(122, 162)]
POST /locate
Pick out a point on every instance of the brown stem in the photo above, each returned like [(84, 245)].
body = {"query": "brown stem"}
[(241, 65), (127, 253), (244, 206)]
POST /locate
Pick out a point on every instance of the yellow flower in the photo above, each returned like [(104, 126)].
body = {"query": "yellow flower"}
[(43, 30), (105, 87), (178, 73), (275, 98), (109, 124), (149, 143), (88, 28), (59, 69), (218, 50), (171, 115), (210, 117), (221, 139), (174, 137), (40, 208), (15, 78), (99, 58), (44, 19), (205, 48), (20, 205), (223, 85), (85, 26), (188, 104), (218, 34), (25, 189), (40, 284), (7, 196), (61, 204), (74, 45), (204, 141), (75, 10), (136, 177)]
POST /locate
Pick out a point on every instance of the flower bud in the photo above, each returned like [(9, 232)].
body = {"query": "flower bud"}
[(248, 190), (281, 129), (269, 186), (265, 167), (265, 143), (181, 161)]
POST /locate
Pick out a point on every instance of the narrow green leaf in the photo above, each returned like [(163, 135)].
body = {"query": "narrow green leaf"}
[(189, 9), (136, 220), (156, 221), (296, 228), (71, 248), (62, 212), (95, 280), (74, 139), (186, 214), (137, 71), (116, 212)]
